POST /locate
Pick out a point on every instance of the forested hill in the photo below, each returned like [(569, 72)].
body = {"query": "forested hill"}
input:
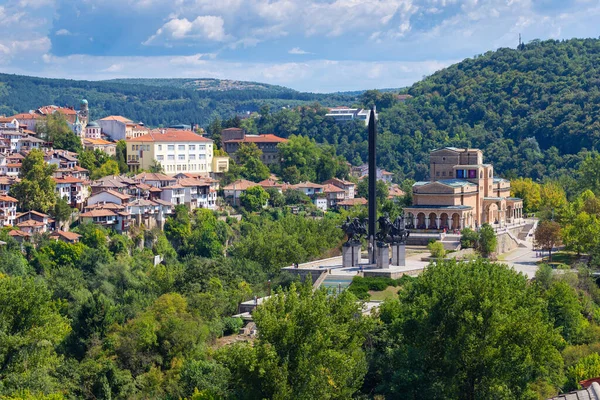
[(203, 84), (532, 110), (155, 102)]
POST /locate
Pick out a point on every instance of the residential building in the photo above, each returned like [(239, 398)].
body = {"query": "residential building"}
[(8, 210), (109, 148), (120, 128), (334, 195), (175, 150), (108, 196), (349, 203), (233, 138), (67, 237), (34, 222), (29, 120), (74, 190), (234, 190), (348, 187), (461, 192), (308, 188), (346, 114)]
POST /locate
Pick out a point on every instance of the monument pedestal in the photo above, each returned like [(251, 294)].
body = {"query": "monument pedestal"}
[(383, 255), (350, 254), (399, 254)]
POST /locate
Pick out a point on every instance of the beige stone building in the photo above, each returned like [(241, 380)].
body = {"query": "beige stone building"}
[(461, 192)]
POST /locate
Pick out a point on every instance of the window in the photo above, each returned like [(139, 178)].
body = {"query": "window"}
[(201, 147), (160, 157), (192, 147), (437, 173), (160, 147), (192, 156), (443, 173), (171, 157), (171, 147), (181, 147), (472, 174), (181, 157), (201, 156), (460, 173)]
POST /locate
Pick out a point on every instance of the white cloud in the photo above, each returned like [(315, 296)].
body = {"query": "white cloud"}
[(113, 68), (298, 50), (63, 32), (207, 27)]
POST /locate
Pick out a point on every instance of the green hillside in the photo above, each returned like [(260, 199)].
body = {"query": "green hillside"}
[(532, 110), (156, 102), (202, 84)]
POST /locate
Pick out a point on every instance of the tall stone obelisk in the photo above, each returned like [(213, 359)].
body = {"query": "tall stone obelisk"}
[(372, 186)]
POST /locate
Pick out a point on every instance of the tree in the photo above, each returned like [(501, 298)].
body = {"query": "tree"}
[(276, 198), (156, 167), (469, 238), (487, 240), (529, 191), (547, 236), (61, 212), (295, 197), (35, 191), (32, 328), (381, 190), (121, 156), (254, 198), (252, 167), (310, 347), (109, 168), (437, 249), (214, 131), (486, 335), (56, 130), (589, 173), (566, 310)]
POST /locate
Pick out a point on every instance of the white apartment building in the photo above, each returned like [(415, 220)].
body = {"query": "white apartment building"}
[(176, 150), (121, 128)]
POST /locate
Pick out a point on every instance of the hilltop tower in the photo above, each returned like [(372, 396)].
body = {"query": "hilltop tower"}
[(84, 112)]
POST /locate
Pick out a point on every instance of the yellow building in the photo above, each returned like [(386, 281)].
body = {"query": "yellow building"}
[(461, 192), (176, 150)]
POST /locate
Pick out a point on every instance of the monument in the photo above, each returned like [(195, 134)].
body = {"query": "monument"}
[(389, 233)]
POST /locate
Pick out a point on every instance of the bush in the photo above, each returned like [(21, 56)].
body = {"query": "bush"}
[(232, 325), (469, 238), (437, 249)]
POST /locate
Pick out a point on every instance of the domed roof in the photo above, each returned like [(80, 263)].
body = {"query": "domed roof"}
[(93, 124), (84, 101)]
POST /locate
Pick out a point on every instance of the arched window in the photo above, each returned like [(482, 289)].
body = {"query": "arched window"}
[(480, 174)]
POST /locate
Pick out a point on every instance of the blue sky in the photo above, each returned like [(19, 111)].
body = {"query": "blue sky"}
[(309, 45)]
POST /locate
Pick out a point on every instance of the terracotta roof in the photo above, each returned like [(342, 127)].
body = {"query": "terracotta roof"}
[(19, 233), (231, 129), (241, 184), (4, 197), (270, 183), (39, 214), (98, 141), (163, 202), (266, 138), (307, 185), (16, 156), (12, 165), (7, 119), (155, 189), (79, 169), (395, 191), (141, 202), (66, 235), (329, 188), (116, 194), (52, 109), (97, 213), (105, 206), (339, 182), (117, 118), (357, 201), (173, 186), (189, 182), (30, 222), (170, 135), (67, 179), (8, 180), (153, 176), (27, 116)]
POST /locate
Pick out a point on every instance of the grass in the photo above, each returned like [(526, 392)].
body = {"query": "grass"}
[(562, 257), (390, 292)]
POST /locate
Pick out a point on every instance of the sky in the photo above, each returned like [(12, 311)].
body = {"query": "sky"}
[(308, 45)]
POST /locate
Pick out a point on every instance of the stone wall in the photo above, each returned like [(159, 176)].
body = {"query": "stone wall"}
[(506, 243)]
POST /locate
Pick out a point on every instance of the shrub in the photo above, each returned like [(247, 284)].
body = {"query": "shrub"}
[(437, 249), (232, 325)]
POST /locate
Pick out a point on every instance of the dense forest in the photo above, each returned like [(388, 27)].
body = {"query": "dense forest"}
[(155, 104)]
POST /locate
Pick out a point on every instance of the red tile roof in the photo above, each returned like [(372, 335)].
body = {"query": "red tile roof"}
[(68, 179), (329, 188), (267, 138), (4, 197), (19, 233), (97, 213), (72, 236), (357, 201), (117, 118), (241, 184), (170, 135), (27, 116)]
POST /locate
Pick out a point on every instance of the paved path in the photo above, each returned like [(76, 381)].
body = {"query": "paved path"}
[(523, 260)]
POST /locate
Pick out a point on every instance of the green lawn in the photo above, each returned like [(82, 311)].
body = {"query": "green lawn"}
[(562, 257), (390, 292)]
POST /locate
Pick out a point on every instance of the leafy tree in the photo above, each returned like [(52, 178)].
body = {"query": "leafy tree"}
[(214, 131), (62, 211), (437, 249), (529, 191), (586, 368), (295, 197), (548, 236), (486, 335), (381, 190), (310, 346), (589, 173), (110, 167), (251, 166), (276, 198), (156, 167), (583, 233), (487, 240), (469, 238), (566, 311), (254, 198), (32, 328), (121, 156), (35, 191), (56, 130)]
